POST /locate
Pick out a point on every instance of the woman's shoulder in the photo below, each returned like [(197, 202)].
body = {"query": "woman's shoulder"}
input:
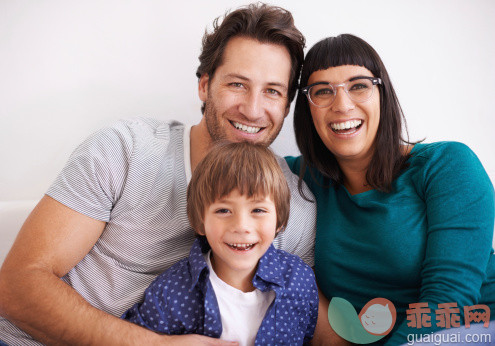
[(448, 163), (441, 155), (440, 149), (294, 163), (312, 177)]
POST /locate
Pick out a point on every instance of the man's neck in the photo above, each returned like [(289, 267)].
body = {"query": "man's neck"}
[(200, 142)]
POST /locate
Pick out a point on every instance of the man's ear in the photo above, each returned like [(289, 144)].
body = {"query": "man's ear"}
[(203, 87)]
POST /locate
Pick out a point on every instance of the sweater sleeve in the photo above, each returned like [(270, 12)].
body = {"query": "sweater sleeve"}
[(459, 201)]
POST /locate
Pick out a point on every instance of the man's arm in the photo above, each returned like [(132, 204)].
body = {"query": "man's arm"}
[(51, 242)]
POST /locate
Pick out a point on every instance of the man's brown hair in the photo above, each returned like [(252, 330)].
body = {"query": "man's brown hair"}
[(252, 169), (261, 22)]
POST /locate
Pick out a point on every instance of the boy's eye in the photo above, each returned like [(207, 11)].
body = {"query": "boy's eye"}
[(259, 210), (222, 211)]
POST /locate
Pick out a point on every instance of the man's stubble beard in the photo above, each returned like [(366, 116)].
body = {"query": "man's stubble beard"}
[(218, 133)]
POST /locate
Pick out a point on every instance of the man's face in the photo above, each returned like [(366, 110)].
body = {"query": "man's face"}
[(246, 100)]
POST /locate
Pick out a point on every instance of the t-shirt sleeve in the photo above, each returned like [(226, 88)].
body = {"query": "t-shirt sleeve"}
[(92, 180), (459, 201), (299, 236)]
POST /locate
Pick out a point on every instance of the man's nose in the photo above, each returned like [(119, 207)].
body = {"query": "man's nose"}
[(342, 102), (252, 105)]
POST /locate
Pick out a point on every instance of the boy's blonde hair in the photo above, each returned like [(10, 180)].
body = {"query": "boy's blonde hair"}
[(252, 169)]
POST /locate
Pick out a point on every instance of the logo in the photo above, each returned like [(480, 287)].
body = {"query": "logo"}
[(374, 322)]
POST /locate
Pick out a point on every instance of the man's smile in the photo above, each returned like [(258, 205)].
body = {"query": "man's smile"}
[(245, 128)]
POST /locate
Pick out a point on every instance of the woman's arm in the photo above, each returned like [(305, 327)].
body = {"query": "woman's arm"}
[(460, 212), (324, 334)]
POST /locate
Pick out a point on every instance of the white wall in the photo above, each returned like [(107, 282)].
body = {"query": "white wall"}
[(68, 68)]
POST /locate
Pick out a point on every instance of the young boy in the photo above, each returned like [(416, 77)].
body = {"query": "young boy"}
[(235, 285)]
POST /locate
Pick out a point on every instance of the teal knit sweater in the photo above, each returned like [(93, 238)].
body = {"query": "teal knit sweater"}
[(429, 240)]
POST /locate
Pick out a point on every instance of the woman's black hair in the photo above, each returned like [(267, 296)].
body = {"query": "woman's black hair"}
[(388, 158)]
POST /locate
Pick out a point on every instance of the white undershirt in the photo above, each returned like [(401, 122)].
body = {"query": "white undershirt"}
[(187, 151), (241, 312)]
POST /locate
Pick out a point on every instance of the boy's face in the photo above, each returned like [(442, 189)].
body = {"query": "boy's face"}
[(239, 230)]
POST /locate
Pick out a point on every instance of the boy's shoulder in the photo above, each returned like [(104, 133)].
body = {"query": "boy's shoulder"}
[(289, 260), (178, 274), (290, 269)]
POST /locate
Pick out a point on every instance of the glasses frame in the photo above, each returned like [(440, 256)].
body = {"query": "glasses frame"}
[(374, 81)]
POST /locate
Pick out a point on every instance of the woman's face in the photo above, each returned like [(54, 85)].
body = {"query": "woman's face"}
[(347, 128)]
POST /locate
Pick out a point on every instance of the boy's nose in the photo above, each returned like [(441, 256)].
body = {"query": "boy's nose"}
[(241, 224)]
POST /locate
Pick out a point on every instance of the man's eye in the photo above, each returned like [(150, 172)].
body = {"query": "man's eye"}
[(236, 85), (273, 92)]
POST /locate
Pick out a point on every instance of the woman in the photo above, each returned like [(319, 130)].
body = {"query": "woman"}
[(409, 222)]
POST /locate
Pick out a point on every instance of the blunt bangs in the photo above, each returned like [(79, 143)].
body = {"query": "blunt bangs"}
[(341, 50)]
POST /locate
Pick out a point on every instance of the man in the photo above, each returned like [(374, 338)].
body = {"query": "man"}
[(115, 217)]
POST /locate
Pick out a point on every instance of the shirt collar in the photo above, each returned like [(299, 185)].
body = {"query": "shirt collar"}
[(268, 273), (196, 259), (270, 270)]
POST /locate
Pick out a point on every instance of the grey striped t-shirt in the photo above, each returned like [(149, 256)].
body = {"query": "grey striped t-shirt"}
[(134, 175)]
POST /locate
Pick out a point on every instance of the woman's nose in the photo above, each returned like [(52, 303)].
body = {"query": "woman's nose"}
[(342, 102)]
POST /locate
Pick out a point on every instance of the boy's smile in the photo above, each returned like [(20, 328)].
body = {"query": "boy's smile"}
[(239, 230)]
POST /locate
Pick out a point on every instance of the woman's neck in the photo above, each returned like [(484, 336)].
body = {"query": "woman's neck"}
[(355, 175), (355, 172)]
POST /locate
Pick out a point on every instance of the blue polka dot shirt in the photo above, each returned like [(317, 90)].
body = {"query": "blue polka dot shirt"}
[(182, 300)]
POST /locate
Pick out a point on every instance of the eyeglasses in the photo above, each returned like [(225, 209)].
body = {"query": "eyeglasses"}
[(359, 89)]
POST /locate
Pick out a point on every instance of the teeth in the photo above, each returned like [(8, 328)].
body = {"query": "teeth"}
[(346, 125), (245, 128), (241, 246)]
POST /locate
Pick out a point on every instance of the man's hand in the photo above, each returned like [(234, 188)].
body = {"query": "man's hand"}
[(192, 339)]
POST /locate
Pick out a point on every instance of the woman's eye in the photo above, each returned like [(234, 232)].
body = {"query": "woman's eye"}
[(359, 86), (323, 91)]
